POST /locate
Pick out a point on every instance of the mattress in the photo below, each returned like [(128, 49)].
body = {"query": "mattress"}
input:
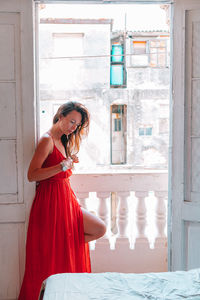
[(114, 286)]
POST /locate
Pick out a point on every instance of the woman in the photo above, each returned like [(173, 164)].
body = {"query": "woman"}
[(59, 229)]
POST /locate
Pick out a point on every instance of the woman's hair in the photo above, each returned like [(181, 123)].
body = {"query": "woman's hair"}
[(72, 142)]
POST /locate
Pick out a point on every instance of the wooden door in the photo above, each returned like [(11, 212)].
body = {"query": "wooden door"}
[(16, 138), (184, 223)]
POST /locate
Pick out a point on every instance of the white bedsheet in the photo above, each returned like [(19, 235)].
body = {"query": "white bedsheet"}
[(114, 286)]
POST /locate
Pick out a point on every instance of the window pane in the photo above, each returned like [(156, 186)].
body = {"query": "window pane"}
[(118, 51), (152, 43), (162, 43), (140, 56), (153, 50), (149, 131), (117, 109), (162, 50), (116, 75), (153, 60), (161, 60), (141, 131), (118, 124), (139, 47)]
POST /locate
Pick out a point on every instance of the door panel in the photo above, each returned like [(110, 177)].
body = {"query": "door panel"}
[(185, 171), (7, 34), (16, 96), (7, 108), (8, 162)]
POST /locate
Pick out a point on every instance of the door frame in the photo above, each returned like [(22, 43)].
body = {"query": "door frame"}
[(107, 2)]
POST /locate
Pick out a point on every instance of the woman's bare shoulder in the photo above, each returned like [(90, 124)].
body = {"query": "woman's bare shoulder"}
[(46, 141)]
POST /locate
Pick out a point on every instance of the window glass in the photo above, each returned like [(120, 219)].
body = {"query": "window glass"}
[(116, 76), (118, 124), (158, 53), (117, 53), (139, 53), (141, 131), (145, 131), (149, 131), (139, 47)]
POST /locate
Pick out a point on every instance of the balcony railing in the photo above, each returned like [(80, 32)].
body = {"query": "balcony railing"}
[(134, 208)]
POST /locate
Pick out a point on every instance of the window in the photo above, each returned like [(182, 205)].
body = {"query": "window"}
[(118, 133), (117, 75), (117, 68), (149, 131), (118, 124), (139, 51), (151, 52), (139, 47), (145, 131), (158, 53)]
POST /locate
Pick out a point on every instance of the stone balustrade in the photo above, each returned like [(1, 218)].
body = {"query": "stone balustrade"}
[(134, 209)]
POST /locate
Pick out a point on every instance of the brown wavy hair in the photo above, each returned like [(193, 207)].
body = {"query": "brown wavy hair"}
[(72, 142)]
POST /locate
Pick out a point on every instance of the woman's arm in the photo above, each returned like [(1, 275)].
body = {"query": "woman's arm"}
[(35, 171)]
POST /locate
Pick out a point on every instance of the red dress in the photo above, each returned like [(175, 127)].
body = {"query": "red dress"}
[(55, 239)]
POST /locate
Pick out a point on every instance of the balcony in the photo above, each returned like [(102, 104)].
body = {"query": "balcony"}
[(134, 208)]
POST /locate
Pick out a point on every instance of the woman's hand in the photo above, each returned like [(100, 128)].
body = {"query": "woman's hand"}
[(67, 164), (75, 158)]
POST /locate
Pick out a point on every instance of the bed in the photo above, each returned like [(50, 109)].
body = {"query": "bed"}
[(114, 286)]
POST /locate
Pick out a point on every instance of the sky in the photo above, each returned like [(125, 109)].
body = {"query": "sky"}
[(138, 17)]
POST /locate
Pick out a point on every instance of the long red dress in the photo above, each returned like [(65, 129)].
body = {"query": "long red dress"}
[(55, 239)]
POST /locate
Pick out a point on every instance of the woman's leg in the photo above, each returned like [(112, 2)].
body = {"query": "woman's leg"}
[(94, 227)]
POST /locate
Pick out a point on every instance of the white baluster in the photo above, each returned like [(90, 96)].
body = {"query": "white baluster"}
[(102, 208), (141, 218), (82, 198), (104, 214), (122, 219), (160, 218)]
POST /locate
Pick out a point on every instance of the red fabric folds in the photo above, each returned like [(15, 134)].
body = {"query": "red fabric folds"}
[(55, 239)]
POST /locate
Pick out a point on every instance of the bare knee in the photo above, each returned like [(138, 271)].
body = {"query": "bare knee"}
[(94, 227), (101, 229)]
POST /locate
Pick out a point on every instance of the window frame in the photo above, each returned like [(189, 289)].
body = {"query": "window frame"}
[(137, 40)]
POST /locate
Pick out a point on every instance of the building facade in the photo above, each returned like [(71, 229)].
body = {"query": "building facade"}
[(123, 79)]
